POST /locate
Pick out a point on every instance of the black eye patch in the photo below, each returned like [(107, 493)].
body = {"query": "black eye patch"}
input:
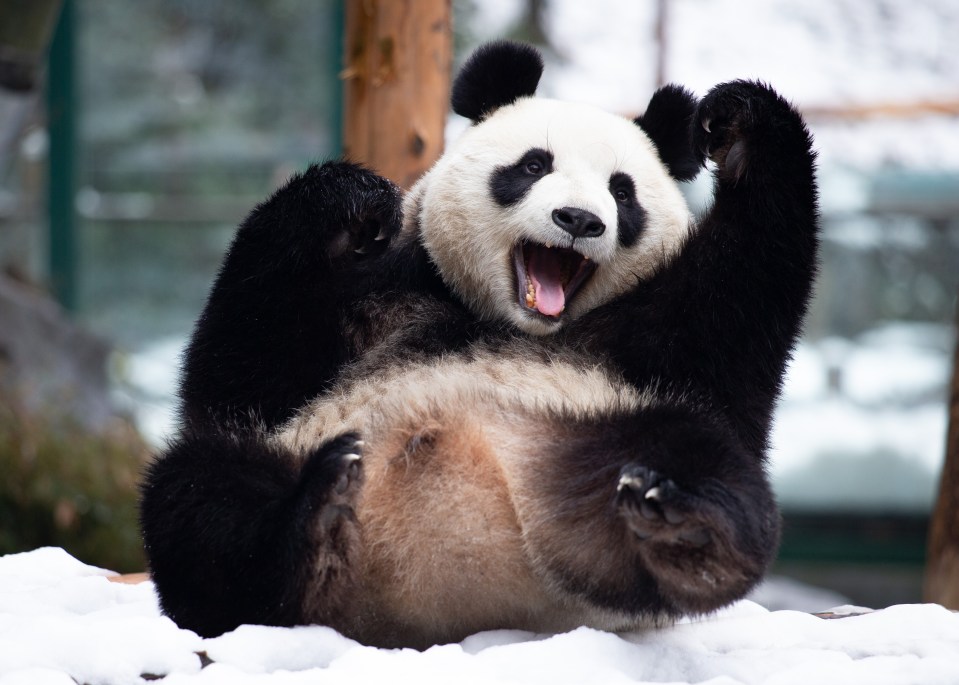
[(631, 217), (509, 184)]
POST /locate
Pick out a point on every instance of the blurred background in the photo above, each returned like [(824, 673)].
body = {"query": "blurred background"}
[(135, 136)]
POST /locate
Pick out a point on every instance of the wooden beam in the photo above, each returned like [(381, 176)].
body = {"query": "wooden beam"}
[(942, 564), (397, 81), (884, 110)]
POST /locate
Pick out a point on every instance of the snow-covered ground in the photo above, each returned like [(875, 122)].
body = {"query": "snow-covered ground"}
[(62, 622)]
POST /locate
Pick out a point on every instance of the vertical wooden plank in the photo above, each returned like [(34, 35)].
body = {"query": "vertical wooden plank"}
[(942, 562), (396, 94)]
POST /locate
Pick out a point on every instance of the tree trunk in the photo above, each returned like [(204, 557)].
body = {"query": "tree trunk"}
[(942, 565), (398, 57)]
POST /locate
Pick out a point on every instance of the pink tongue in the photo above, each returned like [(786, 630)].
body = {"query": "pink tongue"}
[(544, 271)]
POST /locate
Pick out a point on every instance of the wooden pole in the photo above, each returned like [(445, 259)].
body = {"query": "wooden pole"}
[(942, 564), (397, 81)]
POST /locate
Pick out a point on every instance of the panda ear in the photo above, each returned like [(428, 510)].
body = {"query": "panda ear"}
[(497, 74), (667, 122)]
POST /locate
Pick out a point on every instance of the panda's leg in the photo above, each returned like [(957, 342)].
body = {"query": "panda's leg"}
[(238, 530), (274, 329), (661, 511)]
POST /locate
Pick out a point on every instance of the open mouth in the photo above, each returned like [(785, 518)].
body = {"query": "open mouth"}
[(548, 277)]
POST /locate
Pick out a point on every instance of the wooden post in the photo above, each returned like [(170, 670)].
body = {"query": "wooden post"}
[(397, 81), (942, 563)]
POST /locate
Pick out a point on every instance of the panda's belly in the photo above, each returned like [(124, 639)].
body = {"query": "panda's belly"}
[(444, 548)]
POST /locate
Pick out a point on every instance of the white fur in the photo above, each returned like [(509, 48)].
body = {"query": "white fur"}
[(470, 237)]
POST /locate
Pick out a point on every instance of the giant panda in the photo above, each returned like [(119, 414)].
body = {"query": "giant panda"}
[(532, 393)]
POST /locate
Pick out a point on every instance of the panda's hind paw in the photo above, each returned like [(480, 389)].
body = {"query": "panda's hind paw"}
[(331, 475), (655, 507)]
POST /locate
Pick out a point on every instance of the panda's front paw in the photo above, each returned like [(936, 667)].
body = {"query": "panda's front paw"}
[(655, 508), (362, 210), (739, 121)]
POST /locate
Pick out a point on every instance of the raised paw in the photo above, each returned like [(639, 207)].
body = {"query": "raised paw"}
[(361, 210), (376, 214), (656, 508), (732, 120)]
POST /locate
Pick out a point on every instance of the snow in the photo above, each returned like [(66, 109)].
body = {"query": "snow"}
[(63, 622)]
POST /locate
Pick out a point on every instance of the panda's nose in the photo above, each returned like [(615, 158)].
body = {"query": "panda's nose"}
[(579, 223)]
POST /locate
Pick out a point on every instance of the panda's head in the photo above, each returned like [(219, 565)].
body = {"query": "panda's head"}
[(544, 210)]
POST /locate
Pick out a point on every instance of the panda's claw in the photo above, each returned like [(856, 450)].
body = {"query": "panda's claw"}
[(653, 506), (332, 473), (706, 121)]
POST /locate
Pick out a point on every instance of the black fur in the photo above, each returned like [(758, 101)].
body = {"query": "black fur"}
[(630, 215), (497, 74), (235, 532), (669, 105), (509, 184), (315, 238), (271, 521)]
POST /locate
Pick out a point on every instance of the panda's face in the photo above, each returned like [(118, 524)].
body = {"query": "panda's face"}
[(546, 210)]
